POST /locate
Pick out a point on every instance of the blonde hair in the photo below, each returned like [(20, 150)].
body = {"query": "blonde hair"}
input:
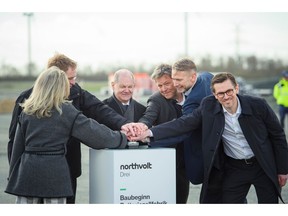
[(51, 90), (184, 64)]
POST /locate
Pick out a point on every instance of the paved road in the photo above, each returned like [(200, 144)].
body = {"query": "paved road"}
[(83, 181)]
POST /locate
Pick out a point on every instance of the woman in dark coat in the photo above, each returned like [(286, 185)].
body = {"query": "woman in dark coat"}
[(38, 166)]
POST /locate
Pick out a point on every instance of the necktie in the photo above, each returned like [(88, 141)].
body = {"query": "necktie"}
[(125, 107), (178, 108)]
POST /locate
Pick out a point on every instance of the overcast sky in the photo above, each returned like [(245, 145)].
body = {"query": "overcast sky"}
[(94, 38)]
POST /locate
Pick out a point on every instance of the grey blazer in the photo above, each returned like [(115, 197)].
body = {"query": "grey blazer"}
[(38, 166)]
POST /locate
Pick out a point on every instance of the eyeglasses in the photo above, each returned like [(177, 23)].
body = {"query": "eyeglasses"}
[(229, 92)]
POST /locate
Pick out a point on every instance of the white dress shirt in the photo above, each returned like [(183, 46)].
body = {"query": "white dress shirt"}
[(235, 143)]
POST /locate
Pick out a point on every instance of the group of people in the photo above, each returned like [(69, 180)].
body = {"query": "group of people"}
[(224, 141)]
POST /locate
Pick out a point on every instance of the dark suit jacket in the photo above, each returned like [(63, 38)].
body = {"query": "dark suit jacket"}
[(192, 141), (139, 109), (159, 110), (259, 124)]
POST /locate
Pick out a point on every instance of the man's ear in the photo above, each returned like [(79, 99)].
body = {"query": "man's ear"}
[(237, 88), (112, 84)]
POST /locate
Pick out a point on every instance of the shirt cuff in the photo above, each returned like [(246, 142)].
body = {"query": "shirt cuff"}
[(150, 133)]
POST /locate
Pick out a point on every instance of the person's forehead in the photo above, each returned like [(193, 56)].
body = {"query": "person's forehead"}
[(165, 77), (179, 74), (125, 81), (227, 84)]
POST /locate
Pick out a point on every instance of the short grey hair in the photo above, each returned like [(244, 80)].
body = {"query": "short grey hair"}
[(120, 72), (160, 70)]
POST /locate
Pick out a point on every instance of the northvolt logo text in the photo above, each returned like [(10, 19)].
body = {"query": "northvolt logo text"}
[(148, 165)]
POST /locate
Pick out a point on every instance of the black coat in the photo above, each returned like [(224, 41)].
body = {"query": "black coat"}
[(91, 107), (138, 108), (259, 124)]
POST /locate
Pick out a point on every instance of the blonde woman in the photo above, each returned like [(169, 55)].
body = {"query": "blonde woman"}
[(38, 167)]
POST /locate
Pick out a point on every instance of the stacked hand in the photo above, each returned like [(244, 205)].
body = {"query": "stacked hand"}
[(143, 136), (134, 131)]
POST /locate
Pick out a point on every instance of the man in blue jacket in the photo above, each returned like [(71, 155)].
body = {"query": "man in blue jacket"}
[(195, 87)]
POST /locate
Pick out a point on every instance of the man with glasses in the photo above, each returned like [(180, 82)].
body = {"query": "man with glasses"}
[(243, 144)]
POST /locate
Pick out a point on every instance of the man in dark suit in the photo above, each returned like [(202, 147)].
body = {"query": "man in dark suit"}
[(164, 106), (123, 85), (243, 144)]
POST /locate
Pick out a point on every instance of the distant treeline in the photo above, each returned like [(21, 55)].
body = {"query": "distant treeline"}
[(249, 67)]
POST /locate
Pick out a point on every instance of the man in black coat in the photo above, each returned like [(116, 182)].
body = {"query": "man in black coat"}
[(243, 144), (123, 85), (84, 101)]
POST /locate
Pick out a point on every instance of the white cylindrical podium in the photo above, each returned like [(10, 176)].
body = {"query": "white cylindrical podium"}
[(132, 176)]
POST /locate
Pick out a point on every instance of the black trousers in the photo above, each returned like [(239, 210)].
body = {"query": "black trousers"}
[(182, 182), (71, 200), (182, 186), (239, 175)]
